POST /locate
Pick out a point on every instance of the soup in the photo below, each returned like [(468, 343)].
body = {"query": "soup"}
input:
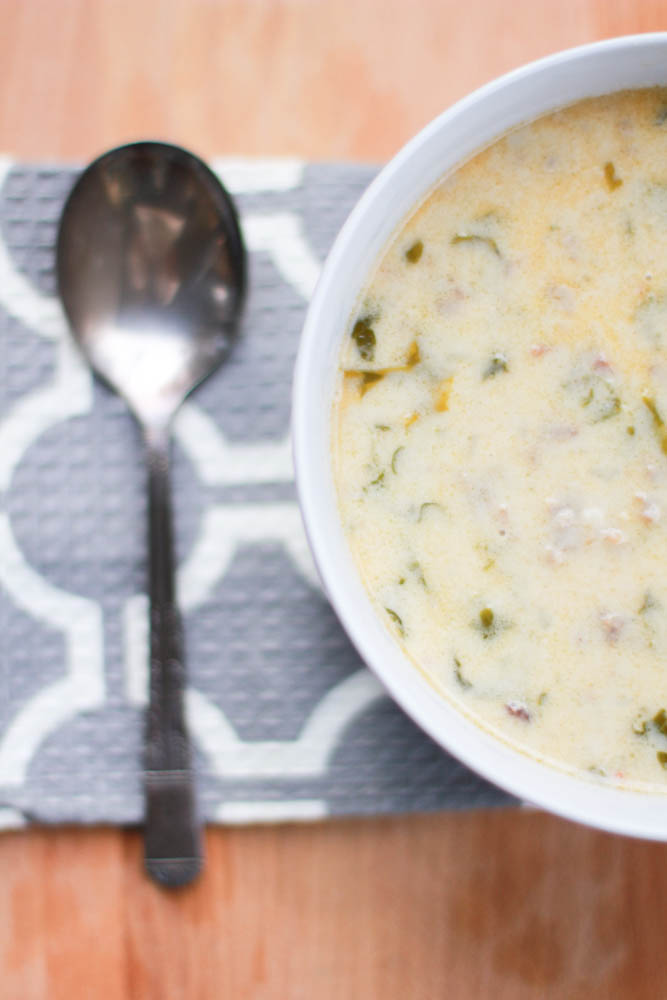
[(500, 438)]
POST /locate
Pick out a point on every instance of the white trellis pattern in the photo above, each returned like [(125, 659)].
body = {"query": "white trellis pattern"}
[(227, 528)]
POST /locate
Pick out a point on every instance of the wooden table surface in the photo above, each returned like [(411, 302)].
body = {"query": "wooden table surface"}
[(506, 904)]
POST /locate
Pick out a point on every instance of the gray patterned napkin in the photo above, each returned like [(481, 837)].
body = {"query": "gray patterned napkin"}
[(287, 722)]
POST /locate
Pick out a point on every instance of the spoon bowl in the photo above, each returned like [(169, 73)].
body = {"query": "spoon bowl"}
[(151, 272)]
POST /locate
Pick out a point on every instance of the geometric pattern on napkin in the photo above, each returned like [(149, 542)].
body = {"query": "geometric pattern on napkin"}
[(286, 721)]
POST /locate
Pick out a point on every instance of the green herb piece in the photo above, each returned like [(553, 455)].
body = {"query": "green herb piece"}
[(611, 407), (599, 397), (640, 726), (401, 581), (424, 507), (610, 177), (379, 480), (458, 674), (660, 721), (397, 620), (413, 253), (366, 345), (394, 457), (382, 427), (364, 337), (368, 379), (476, 238), (496, 365), (596, 769), (415, 568), (543, 697), (658, 422), (487, 623), (662, 758), (648, 604), (631, 431), (650, 405)]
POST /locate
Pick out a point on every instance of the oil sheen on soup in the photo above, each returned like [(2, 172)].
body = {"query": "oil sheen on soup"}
[(500, 438)]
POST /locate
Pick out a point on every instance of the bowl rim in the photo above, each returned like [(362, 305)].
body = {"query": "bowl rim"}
[(604, 806)]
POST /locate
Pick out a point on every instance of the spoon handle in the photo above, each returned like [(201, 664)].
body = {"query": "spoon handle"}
[(172, 836)]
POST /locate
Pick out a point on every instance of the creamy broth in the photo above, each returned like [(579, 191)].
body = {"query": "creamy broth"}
[(500, 438)]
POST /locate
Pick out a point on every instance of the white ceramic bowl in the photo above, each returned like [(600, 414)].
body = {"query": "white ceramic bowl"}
[(601, 68)]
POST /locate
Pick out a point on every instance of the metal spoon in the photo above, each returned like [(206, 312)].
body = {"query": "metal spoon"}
[(152, 273)]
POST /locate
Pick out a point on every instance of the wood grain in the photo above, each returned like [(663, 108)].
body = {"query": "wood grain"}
[(508, 905), (314, 78), (497, 904)]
